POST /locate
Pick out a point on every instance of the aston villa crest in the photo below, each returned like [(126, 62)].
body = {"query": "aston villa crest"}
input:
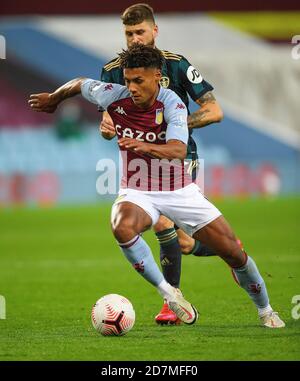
[(159, 116), (164, 82)]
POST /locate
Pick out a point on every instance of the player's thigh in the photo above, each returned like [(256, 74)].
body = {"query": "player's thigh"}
[(127, 215), (162, 224)]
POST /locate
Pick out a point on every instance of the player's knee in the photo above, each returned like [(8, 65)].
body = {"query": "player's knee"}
[(185, 245), (123, 229), (163, 224), (185, 251)]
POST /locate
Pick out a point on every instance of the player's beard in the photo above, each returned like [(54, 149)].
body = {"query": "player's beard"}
[(151, 43)]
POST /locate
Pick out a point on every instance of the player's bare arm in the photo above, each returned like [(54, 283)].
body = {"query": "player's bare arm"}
[(48, 102), (173, 149), (208, 113), (107, 128)]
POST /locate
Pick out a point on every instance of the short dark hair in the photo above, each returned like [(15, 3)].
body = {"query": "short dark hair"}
[(137, 13), (139, 55)]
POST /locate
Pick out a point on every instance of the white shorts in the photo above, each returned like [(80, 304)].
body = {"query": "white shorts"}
[(186, 207)]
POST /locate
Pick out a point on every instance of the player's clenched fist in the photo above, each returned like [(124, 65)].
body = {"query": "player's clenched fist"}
[(107, 128), (44, 102)]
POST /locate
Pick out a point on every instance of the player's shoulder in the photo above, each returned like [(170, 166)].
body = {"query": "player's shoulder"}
[(169, 97), (113, 64), (176, 62), (170, 56), (174, 58)]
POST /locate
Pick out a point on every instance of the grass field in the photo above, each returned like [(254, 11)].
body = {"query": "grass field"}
[(55, 263)]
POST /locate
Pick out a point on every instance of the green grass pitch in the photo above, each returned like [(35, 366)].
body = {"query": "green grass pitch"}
[(55, 263)]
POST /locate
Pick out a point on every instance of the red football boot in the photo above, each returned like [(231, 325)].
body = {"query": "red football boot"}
[(167, 316)]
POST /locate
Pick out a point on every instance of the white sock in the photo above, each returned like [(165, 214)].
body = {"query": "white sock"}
[(165, 289), (140, 256), (252, 282), (264, 311)]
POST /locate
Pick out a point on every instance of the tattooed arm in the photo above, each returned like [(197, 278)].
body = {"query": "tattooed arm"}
[(209, 112)]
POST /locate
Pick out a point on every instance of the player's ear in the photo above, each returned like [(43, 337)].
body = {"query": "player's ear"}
[(158, 74), (155, 31)]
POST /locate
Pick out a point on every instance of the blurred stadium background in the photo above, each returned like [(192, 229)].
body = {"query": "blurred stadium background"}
[(242, 48)]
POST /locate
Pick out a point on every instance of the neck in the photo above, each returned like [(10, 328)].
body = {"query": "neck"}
[(151, 101)]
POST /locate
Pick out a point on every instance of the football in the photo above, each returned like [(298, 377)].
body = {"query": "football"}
[(113, 315)]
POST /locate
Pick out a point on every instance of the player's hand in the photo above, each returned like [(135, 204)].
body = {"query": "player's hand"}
[(43, 102), (107, 128), (134, 145)]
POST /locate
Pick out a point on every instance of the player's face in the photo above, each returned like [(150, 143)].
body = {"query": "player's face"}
[(143, 33), (143, 85)]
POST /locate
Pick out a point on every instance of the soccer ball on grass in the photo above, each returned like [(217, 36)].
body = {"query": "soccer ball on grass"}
[(113, 315)]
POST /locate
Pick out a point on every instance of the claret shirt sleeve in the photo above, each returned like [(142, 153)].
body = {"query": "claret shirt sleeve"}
[(101, 93)]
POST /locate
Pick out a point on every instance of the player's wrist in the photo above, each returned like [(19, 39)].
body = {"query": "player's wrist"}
[(55, 98), (147, 148), (153, 150)]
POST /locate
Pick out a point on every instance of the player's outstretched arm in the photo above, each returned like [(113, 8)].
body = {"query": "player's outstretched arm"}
[(48, 102), (208, 113)]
